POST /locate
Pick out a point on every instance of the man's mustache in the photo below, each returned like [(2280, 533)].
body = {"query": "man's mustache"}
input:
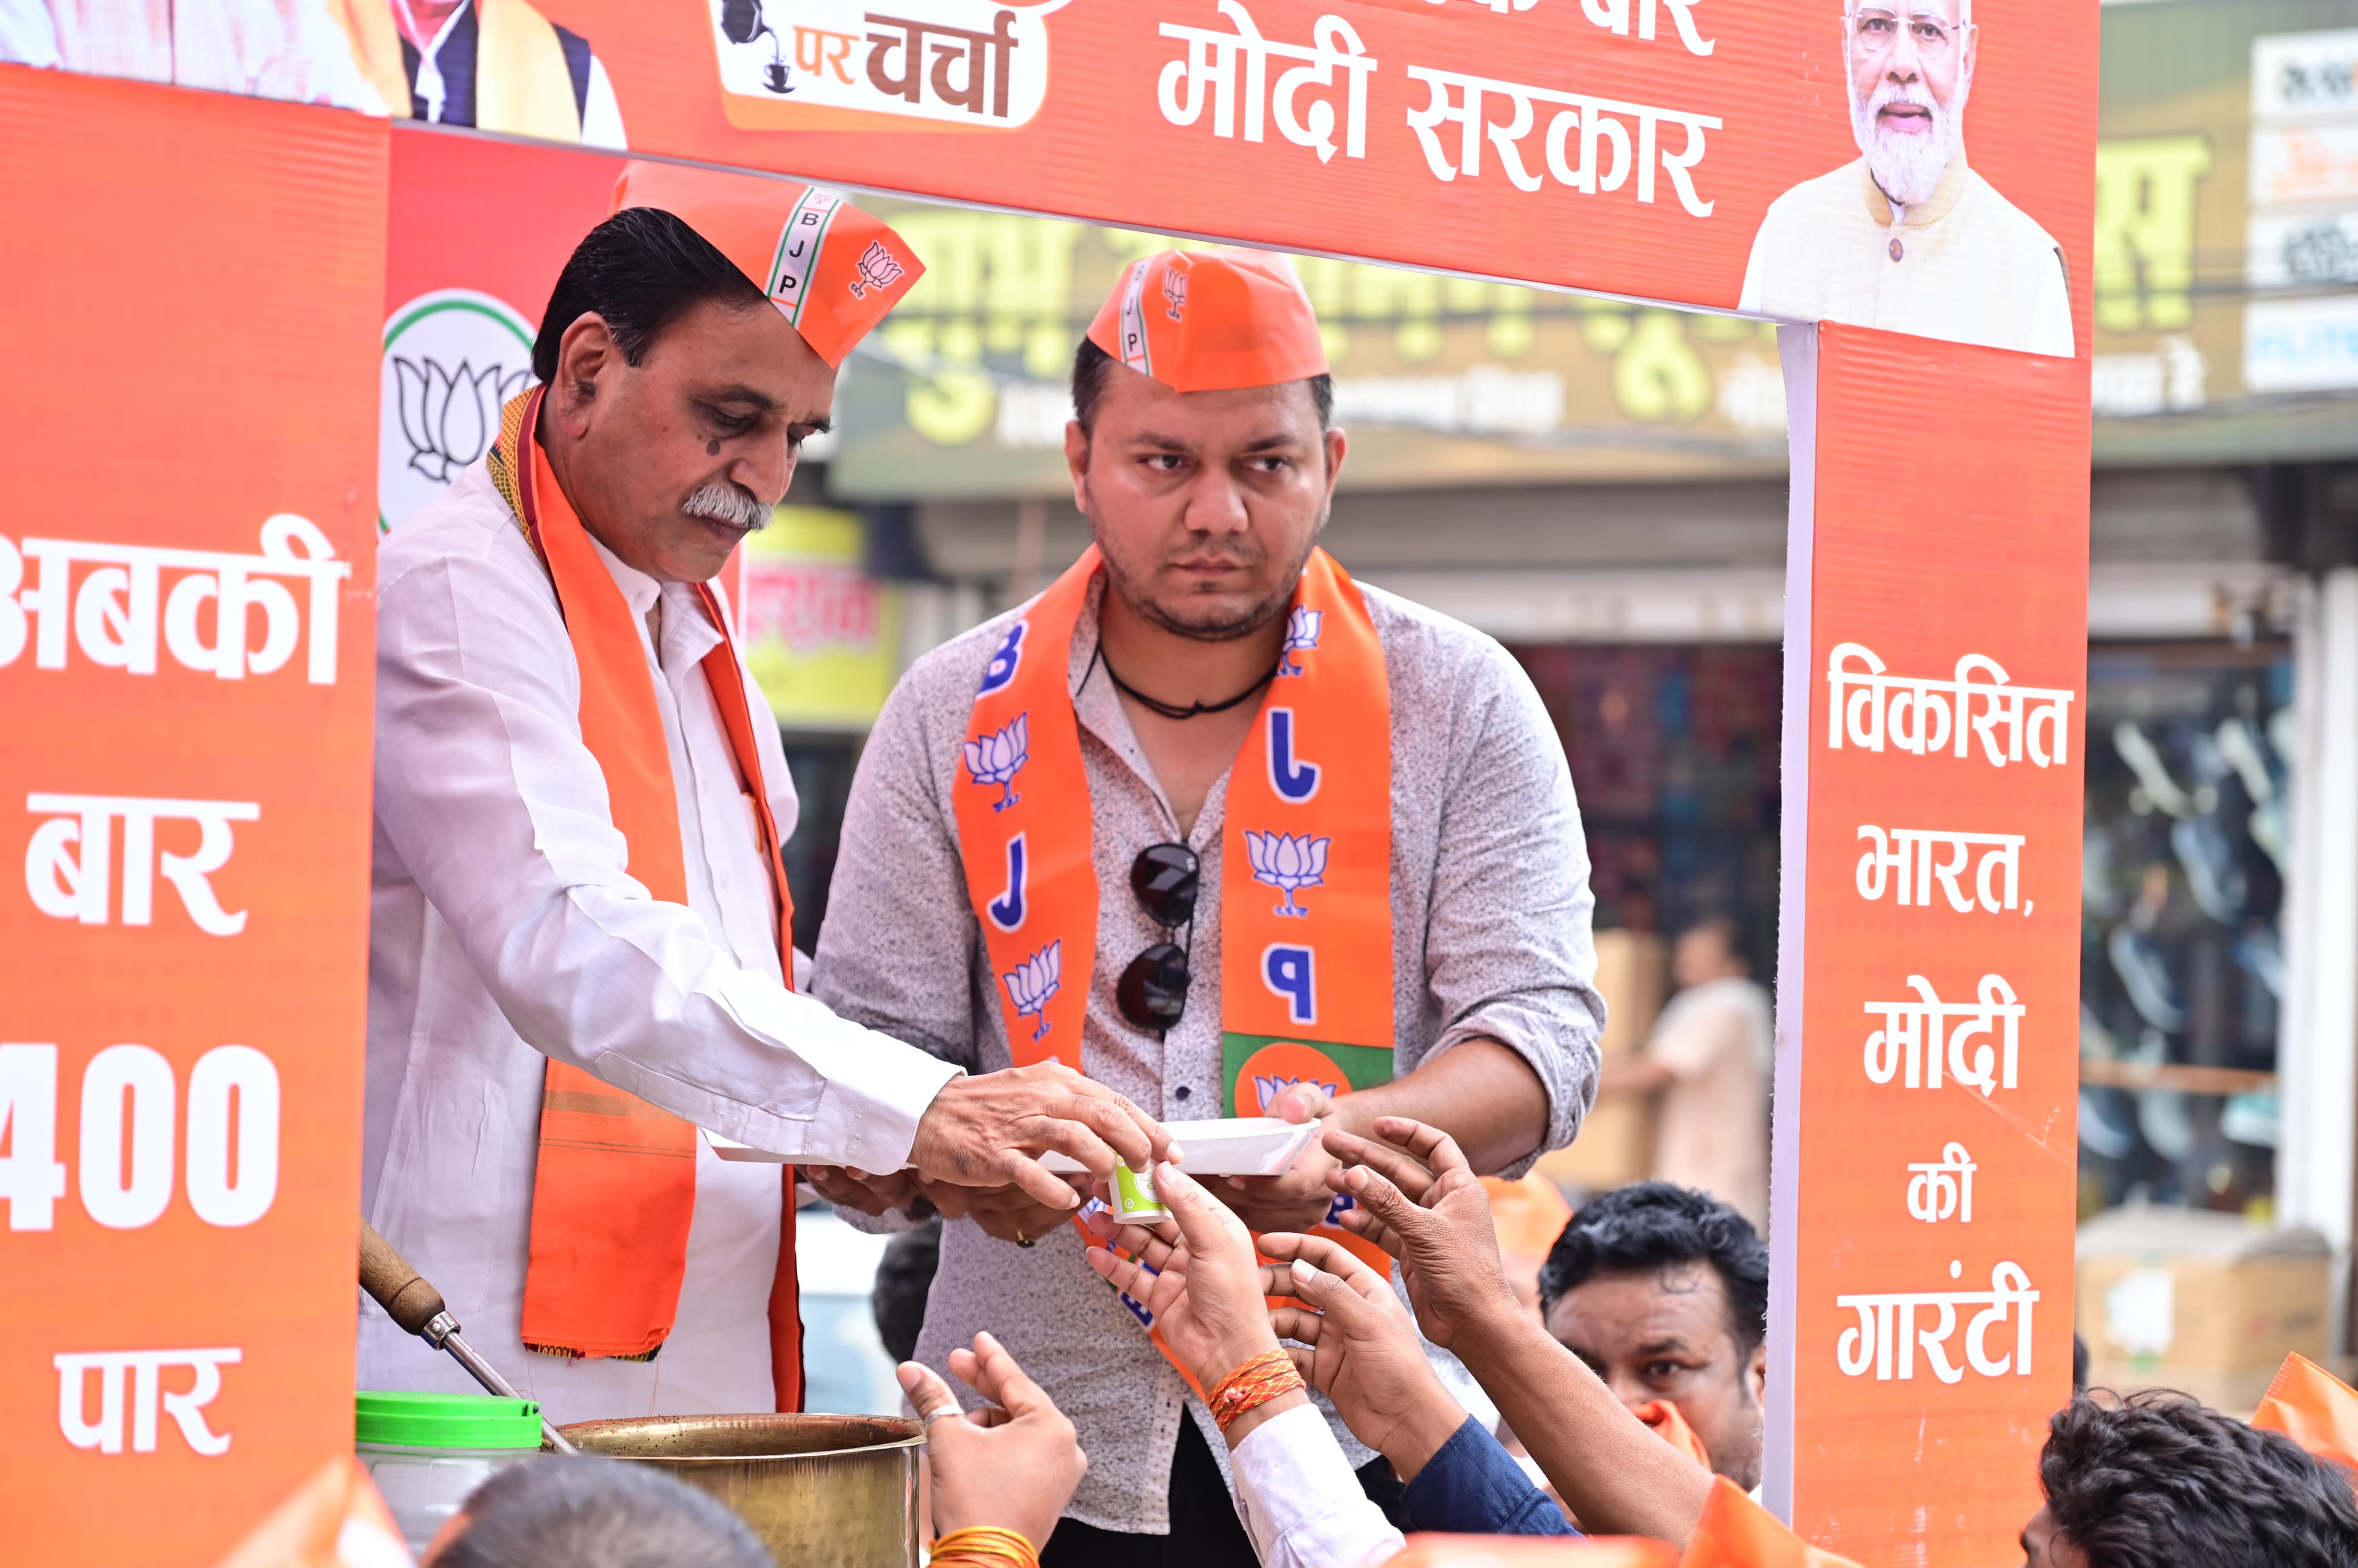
[(722, 502)]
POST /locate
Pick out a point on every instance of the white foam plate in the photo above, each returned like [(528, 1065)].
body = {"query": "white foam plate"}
[(1232, 1146)]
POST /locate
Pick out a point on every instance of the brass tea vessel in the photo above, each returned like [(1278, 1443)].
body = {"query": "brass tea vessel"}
[(822, 1491)]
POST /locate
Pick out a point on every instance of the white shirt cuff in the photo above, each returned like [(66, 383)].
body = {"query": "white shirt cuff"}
[(1300, 1500)]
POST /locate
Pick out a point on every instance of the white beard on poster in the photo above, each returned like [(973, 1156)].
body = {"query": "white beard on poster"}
[(1907, 165)]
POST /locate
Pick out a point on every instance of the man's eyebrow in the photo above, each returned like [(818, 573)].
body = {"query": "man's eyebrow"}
[(741, 392), (1656, 1347)]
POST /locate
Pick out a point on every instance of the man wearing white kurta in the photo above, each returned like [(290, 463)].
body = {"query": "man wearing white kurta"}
[(1908, 237), (506, 933)]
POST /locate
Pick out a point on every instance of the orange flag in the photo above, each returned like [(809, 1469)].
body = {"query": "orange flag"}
[(1736, 1532), (1531, 1551), (2314, 1407), (1663, 1418), (335, 1519)]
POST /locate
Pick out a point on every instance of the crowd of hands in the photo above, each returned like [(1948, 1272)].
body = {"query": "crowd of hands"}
[(1014, 1463)]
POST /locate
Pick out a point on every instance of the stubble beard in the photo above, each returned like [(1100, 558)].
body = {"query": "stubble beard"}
[(1210, 625), (1909, 167)]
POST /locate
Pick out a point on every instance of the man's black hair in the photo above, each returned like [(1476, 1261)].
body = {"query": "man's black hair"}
[(1090, 362), (2158, 1481), (1652, 1225), (1735, 933), (588, 1512), (641, 270)]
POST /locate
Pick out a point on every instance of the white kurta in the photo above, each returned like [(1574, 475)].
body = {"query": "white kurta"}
[(1964, 264), (502, 925)]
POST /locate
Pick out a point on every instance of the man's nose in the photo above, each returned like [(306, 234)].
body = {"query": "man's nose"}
[(1907, 63), (766, 469), (1630, 1391), (1215, 504)]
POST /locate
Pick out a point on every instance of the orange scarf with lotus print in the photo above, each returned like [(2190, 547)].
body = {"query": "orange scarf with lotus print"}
[(1305, 851)]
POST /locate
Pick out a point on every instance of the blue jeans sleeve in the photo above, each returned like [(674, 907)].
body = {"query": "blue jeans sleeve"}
[(1473, 1487)]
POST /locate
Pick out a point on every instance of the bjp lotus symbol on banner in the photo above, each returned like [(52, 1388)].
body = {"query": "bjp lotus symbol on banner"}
[(1301, 637), (1031, 983), (452, 359), (997, 757), (1287, 861)]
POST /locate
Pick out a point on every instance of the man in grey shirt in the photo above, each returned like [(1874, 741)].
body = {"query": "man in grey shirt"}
[(1207, 486)]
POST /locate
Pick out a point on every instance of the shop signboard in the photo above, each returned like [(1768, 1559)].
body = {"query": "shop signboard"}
[(822, 636), (964, 393), (2226, 233), (186, 635)]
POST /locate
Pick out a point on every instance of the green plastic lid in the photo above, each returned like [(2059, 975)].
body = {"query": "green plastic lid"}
[(447, 1420)]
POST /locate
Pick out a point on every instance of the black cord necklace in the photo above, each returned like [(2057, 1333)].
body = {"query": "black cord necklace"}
[(1172, 709)]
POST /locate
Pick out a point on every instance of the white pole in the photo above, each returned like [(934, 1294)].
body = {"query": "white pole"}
[(2317, 1039)]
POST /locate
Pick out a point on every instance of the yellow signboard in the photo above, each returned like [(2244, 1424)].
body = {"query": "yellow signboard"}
[(820, 633)]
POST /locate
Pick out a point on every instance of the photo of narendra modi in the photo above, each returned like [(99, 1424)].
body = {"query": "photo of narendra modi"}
[(1908, 237)]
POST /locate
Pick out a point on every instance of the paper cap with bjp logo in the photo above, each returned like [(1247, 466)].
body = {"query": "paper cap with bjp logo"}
[(1212, 320), (832, 270)]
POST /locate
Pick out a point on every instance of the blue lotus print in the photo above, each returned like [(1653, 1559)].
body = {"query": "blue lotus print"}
[(1287, 861), (997, 758), (1268, 1089), (1033, 982), (1301, 636)]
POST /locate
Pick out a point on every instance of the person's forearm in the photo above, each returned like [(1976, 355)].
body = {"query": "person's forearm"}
[(1616, 1477), (1479, 1092), (1632, 1075)]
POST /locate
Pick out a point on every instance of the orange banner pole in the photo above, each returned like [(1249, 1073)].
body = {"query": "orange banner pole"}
[(1925, 1138), (194, 286)]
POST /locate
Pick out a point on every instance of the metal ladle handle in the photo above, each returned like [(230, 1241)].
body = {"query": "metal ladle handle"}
[(412, 1302)]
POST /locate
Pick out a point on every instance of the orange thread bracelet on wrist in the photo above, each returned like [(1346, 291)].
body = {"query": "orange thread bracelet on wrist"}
[(977, 1545), (1266, 1377)]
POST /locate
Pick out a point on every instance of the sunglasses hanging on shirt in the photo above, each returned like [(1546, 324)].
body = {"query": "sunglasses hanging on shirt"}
[(1152, 991)]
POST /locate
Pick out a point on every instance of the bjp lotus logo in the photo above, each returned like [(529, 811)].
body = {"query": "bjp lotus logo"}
[(1301, 636), (1174, 292), (1289, 863), (452, 417), (1268, 1088), (878, 267), (452, 359), (1033, 982), (997, 758)]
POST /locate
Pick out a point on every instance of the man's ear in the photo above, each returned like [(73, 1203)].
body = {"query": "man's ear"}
[(1076, 462), (585, 355), (1338, 444), (1757, 1372)]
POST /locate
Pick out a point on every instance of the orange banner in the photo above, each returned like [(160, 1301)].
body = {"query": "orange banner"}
[(1926, 1075), (194, 286), (1704, 154), (1627, 146)]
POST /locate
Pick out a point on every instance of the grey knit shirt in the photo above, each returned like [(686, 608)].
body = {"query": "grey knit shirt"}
[(1491, 922)]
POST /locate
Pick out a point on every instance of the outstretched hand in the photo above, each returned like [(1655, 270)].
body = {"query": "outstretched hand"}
[(1296, 1197), (989, 1131), (1359, 1347), (1419, 1199), (1198, 1275), (1014, 1463)]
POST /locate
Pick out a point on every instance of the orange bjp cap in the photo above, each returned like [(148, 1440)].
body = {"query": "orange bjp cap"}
[(832, 270), (2315, 1409), (1212, 320)]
